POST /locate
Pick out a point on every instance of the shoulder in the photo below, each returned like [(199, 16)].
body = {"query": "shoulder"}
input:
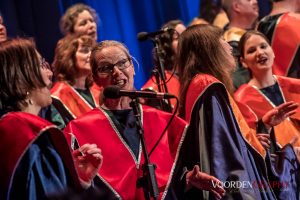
[(202, 83), (155, 114), (60, 87), (88, 117), (18, 119), (288, 79), (241, 92), (288, 83), (233, 34)]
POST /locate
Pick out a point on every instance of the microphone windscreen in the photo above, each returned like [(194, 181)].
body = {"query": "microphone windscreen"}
[(111, 92), (142, 36)]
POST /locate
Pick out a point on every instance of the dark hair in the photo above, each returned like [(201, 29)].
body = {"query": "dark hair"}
[(105, 44), (200, 51), (68, 20), (64, 64), (245, 37), (166, 39), (19, 73)]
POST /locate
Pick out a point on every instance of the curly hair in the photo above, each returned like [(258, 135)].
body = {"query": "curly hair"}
[(64, 64), (166, 39), (19, 73), (68, 20)]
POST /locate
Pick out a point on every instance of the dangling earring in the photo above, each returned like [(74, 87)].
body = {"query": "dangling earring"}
[(29, 100)]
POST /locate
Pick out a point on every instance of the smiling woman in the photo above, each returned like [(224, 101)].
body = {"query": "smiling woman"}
[(79, 19), (265, 90), (74, 91), (114, 128), (36, 161)]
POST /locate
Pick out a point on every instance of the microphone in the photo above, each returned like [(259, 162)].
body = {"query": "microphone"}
[(114, 92), (145, 36)]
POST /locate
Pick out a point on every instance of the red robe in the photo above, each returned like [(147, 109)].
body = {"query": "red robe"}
[(121, 169), (283, 32), (72, 100), (18, 131), (260, 104), (173, 86), (199, 84)]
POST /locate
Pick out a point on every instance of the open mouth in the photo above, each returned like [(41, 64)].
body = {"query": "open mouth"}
[(262, 60), (120, 83), (92, 34)]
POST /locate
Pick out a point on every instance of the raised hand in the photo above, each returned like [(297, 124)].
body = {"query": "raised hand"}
[(204, 181), (88, 160), (279, 114)]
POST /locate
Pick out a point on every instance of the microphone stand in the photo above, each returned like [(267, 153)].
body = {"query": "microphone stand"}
[(155, 73), (148, 180), (161, 76)]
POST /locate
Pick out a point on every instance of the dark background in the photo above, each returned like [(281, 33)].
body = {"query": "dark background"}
[(119, 20)]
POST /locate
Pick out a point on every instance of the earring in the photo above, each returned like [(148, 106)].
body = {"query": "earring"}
[(29, 100)]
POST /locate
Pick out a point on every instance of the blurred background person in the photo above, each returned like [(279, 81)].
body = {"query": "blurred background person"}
[(281, 28), (79, 19), (167, 48), (242, 15), (226, 147), (73, 91), (3, 33), (265, 91), (197, 20), (213, 13), (221, 19), (36, 161)]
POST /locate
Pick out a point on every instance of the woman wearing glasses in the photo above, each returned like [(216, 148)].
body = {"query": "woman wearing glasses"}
[(36, 162), (74, 92), (113, 128)]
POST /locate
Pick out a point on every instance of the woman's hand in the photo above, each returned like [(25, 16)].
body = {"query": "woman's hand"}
[(264, 139), (88, 160), (279, 114), (204, 181)]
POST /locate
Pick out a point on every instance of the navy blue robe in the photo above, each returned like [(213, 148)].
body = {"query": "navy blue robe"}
[(215, 143)]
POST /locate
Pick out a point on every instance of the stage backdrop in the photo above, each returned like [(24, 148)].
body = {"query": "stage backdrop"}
[(119, 20)]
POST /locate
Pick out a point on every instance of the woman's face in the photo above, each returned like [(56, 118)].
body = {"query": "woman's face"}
[(42, 96), (3, 34), (258, 55), (83, 57), (178, 30), (86, 25), (114, 68), (228, 49)]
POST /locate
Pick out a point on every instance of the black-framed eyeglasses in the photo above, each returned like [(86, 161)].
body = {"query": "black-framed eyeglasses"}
[(44, 64), (108, 68)]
